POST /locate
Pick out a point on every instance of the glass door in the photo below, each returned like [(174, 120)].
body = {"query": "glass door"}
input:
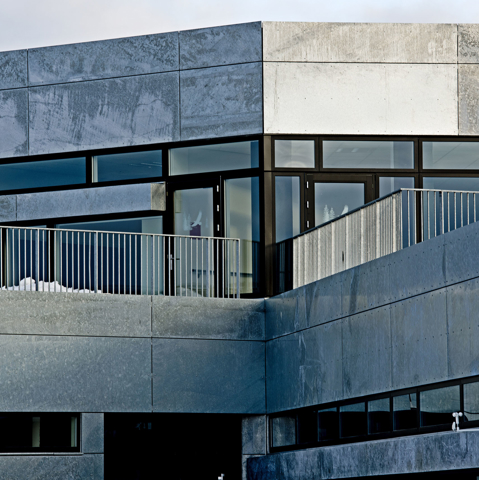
[(330, 196)]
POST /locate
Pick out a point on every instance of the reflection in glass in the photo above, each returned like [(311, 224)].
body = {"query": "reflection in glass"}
[(214, 158), (287, 205), (129, 225), (44, 173), (125, 166), (451, 183), (405, 411), (391, 184), (307, 426), (294, 153), (194, 212), (328, 424), (378, 415), (450, 155), (284, 431), (353, 420), (242, 221), (438, 405), (367, 154), (334, 199), (471, 402)]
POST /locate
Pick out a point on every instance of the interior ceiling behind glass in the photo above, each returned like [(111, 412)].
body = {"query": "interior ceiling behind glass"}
[(451, 155)]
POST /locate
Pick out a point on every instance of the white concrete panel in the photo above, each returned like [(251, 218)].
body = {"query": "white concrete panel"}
[(359, 42), (360, 98)]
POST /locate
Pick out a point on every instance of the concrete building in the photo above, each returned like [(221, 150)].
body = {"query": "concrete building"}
[(257, 132)]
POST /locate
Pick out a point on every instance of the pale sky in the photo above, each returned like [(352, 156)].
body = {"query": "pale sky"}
[(37, 23)]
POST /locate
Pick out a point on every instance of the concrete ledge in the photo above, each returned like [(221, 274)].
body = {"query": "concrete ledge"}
[(85, 201), (406, 455)]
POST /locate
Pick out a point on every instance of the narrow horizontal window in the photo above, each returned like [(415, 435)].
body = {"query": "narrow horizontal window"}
[(353, 420), (214, 158), (307, 426), (127, 166), (471, 402), (368, 154), (405, 411), (328, 424), (438, 405), (378, 416), (450, 155), (294, 154), (42, 173)]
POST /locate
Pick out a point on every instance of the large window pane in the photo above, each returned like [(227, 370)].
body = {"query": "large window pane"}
[(450, 155), (367, 154), (451, 183), (284, 431), (214, 158), (287, 206), (438, 405), (242, 221), (378, 416), (294, 153), (391, 184), (334, 199), (405, 411), (353, 420), (45, 173), (471, 402), (328, 424), (126, 166)]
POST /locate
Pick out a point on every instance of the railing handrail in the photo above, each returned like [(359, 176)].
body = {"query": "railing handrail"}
[(21, 227), (357, 209)]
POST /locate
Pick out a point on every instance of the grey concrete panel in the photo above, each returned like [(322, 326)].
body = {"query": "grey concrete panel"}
[(254, 434), (359, 42), (325, 304), (468, 99), (208, 376), (104, 113), (13, 66), (14, 123), (212, 47), (92, 433), (50, 374), (281, 314), (419, 340), (304, 368), (418, 269), (354, 289), (44, 313), (360, 98), (120, 57), (221, 101), (8, 208), (468, 43), (232, 319), (244, 465), (463, 329), (406, 455), (462, 246), (367, 353), (91, 201), (52, 467)]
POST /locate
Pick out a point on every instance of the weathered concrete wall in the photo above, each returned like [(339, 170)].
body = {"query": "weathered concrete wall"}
[(105, 353), (403, 320), (406, 455)]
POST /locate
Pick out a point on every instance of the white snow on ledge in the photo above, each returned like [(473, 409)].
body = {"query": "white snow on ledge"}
[(29, 284)]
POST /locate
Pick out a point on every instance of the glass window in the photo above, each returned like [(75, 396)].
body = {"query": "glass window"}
[(450, 155), (328, 424), (294, 153), (214, 158), (284, 431), (334, 199), (242, 221), (451, 183), (471, 402), (194, 212), (391, 184), (287, 206), (405, 411), (438, 405), (378, 415), (367, 154), (126, 166), (353, 420), (43, 173), (128, 225), (308, 426)]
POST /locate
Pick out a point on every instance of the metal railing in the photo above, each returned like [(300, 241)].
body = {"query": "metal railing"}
[(52, 260), (386, 225)]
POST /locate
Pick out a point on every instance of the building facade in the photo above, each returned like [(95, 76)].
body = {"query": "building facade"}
[(259, 132)]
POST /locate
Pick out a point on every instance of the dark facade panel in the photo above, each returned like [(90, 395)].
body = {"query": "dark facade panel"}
[(14, 122)]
